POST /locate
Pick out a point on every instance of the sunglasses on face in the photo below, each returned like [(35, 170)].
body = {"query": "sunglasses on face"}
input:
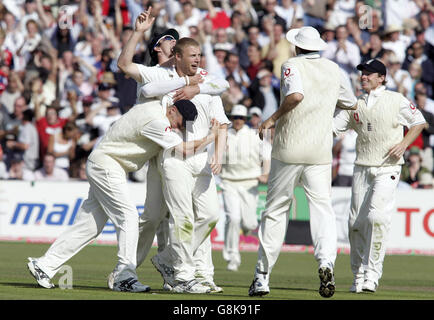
[(238, 118), (168, 38)]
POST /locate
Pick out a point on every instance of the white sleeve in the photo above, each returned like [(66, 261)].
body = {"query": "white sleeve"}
[(341, 122), (161, 133), (145, 72), (212, 85), (291, 80), (159, 88), (346, 99), (409, 115), (218, 111)]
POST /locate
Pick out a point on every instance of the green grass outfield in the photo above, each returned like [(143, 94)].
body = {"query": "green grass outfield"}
[(294, 277)]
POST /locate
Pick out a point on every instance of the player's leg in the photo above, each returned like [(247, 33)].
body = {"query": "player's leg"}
[(317, 186), (207, 211), (112, 192), (232, 205), (248, 197), (177, 188), (206, 208), (88, 224), (357, 225), (163, 233), (205, 267), (249, 204), (274, 221), (379, 217), (154, 212)]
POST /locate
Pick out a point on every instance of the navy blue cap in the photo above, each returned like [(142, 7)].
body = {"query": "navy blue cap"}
[(373, 65), (188, 111), (154, 41)]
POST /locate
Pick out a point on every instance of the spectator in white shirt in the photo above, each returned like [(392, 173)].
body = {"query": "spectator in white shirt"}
[(397, 79), (396, 41), (343, 52), (49, 172)]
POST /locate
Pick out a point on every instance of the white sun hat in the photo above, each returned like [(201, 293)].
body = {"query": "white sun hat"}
[(307, 38), (238, 110), (255, 110)]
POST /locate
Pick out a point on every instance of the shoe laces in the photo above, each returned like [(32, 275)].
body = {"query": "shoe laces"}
[(127, 284)]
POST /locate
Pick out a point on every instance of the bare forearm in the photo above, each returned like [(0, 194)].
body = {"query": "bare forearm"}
[(289, 103), (412, 134), (221, 142), (127, 54)]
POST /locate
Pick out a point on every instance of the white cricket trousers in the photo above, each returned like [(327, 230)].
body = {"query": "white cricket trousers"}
[(191, 196), (153, 217), (108, 198), (316, 181), (372, 204), (153, 221), (240, 200)]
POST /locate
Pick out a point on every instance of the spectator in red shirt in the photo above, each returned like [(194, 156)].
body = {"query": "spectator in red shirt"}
[(48, 125)]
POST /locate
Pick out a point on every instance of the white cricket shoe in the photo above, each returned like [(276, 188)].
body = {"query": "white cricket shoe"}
[(327, 282), (259, 286), (369, 286), (167, 287), (211, 284), (130, 285), (110, 280), (192, 286), (356, 286), (41, 277), (232, 266), (165, 270)]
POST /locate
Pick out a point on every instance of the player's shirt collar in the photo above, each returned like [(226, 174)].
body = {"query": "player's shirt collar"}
[(310, 55)]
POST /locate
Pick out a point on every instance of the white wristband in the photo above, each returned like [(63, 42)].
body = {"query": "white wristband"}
[(187, 80)]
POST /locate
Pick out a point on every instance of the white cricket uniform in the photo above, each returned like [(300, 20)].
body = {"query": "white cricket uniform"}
[(245, 152), (136, 137), (156, 83), (378, 121), (191, 195), (302, 153)]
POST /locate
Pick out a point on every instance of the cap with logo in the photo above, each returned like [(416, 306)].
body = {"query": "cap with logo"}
[(373, 65), (188, 111)]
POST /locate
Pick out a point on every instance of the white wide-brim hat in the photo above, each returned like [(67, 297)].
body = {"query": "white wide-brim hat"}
[(307, 38), (239, 110)]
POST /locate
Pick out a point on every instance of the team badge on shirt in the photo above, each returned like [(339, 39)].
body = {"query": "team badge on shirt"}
[(413, 108), (168, 129), (287, 72), (203, 73), (356, 117)]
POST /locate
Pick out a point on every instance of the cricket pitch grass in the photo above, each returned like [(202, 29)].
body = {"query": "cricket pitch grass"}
[(406, 277)]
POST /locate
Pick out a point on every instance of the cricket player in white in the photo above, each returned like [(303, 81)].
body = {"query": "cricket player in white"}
[(311, 88), (132, 140), (246, 163), (379, 120)]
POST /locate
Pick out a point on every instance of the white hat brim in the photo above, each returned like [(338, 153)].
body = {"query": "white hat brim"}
[(319, 46)]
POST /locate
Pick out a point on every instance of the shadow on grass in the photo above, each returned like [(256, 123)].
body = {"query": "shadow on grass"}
[(34, 285)]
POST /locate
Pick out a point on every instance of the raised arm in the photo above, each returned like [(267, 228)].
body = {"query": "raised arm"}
[(125, 62)]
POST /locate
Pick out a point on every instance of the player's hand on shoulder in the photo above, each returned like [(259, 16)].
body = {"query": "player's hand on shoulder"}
[(186, 93), (196, 79)]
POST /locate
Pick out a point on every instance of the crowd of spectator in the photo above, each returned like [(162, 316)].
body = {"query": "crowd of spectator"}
[(61, 89)]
